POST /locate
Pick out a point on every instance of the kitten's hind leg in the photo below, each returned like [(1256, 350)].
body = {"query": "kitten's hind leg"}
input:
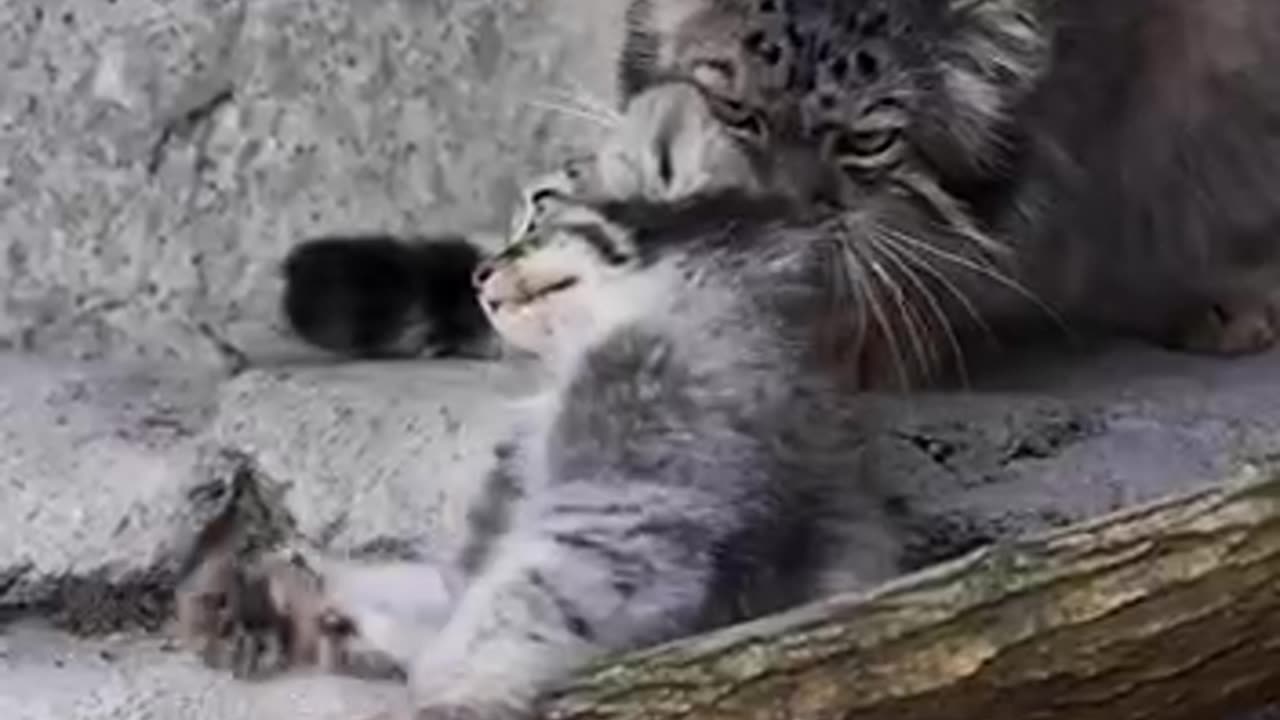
[(628, 569), (244, 614), (390, 610), (260, 616)]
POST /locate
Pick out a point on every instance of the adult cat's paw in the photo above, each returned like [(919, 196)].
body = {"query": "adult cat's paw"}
[(1240, 328)]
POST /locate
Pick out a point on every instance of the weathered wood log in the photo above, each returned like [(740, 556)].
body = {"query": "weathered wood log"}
[(1168, 611)]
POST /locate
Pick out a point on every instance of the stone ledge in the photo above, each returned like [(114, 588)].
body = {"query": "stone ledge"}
[(92, 479), (104, 468), (374, 455), (101, 464), (48, 675)]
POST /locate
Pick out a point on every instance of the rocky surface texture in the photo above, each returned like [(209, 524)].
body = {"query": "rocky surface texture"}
[(158, 157), (107, 475)]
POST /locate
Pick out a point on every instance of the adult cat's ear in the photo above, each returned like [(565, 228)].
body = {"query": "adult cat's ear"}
[(651, 26), (991, 55), (648, 22), (994, 52), (637, 63)]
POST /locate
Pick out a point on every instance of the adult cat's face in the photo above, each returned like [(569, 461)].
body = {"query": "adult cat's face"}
[(882, 94), (867, 108)]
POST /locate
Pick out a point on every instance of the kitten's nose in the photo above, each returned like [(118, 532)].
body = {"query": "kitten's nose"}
[(481, 275)]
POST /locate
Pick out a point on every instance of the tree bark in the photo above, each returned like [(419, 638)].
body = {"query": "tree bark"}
[(1166, 612)]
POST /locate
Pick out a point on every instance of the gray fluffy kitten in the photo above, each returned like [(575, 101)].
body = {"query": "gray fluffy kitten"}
[(685, 469)]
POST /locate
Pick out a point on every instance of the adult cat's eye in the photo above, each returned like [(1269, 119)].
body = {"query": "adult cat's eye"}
[(739, 118), (715, 75), (759, 44), (869, 143), (865, 150), (874, 141)]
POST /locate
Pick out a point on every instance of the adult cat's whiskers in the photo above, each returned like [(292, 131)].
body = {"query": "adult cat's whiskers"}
[(864, 291), (924, 354), (893, 237), (986, 269), (894, 255)]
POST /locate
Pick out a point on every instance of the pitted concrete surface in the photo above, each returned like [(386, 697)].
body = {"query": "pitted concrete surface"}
[(93, 475), (372, 456), (159, 157), (48, 675), (108, 472)]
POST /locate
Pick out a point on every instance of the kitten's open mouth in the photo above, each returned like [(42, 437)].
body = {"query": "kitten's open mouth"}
[(551, 289), (528, 296)]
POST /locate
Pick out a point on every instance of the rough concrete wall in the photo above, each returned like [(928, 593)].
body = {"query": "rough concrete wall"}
[(158, 157)]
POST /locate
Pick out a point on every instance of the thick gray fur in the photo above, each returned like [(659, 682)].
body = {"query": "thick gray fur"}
[(687, 467), (1124, 152), (687, 470)]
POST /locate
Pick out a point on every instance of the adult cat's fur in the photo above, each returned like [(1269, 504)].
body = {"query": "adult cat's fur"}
[(1125, 151), (686, 468)]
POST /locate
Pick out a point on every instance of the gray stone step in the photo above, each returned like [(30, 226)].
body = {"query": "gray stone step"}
[(49, 675), (107, 470)]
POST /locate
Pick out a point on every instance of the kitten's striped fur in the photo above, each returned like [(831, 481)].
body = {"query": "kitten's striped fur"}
[(686, 468)]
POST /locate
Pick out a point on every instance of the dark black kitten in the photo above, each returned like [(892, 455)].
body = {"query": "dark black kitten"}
[(377, 296)]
